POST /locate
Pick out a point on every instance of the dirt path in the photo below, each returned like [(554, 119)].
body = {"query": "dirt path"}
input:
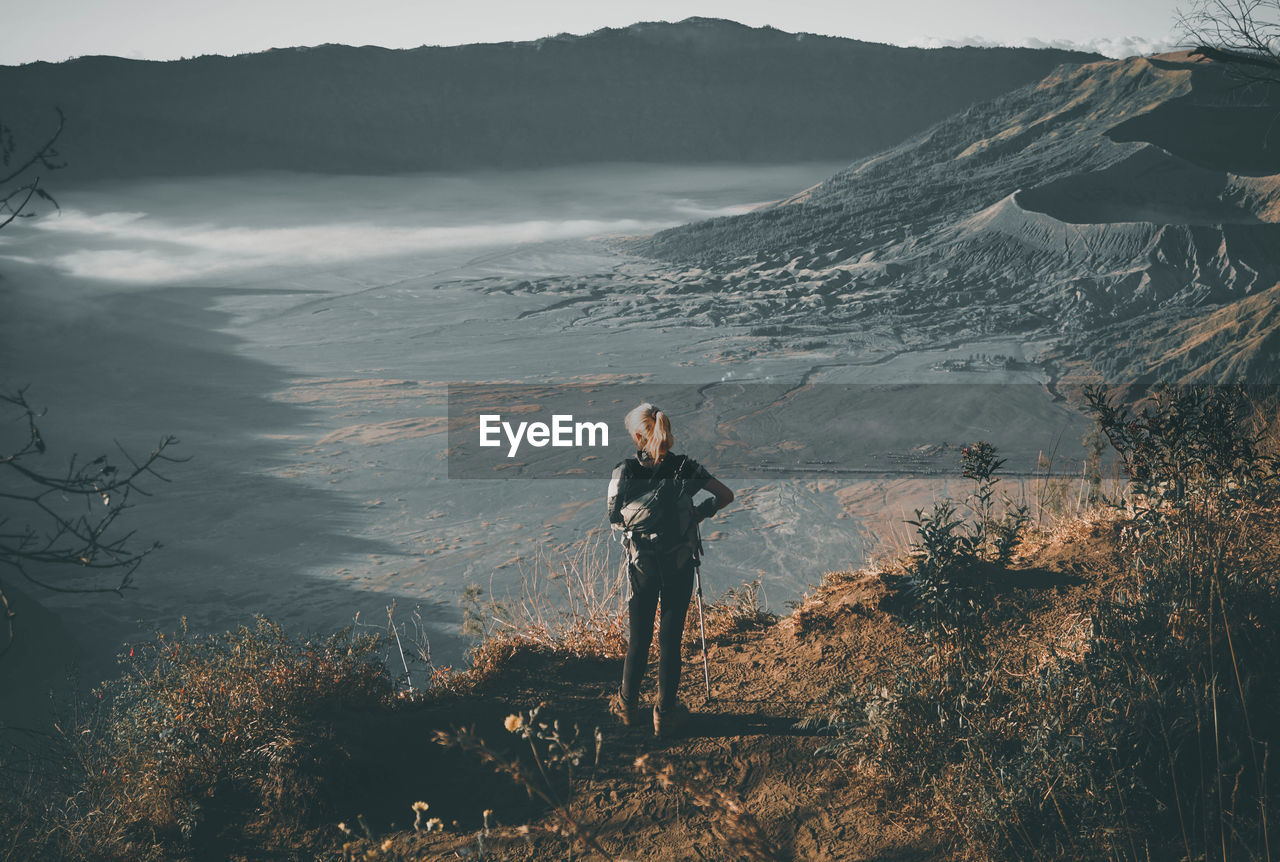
[(764, 680)]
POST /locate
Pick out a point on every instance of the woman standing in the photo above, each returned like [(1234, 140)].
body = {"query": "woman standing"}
[(650, 502)]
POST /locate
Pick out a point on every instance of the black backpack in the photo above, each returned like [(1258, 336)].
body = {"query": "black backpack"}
[(658, 508)]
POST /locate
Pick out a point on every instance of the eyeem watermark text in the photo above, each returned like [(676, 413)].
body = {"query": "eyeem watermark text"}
[(562, 432)]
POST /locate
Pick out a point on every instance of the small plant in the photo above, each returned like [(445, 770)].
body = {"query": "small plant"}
[(1094, 445), (990, 538), (558, 749), (405, 643), (550, 748), (941, 557), (475, 617), (1008, 533), (745, 602), (948, 593), (978, 462)]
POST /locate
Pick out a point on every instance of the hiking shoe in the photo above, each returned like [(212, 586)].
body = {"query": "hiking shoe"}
[(623, 711), (667, 721)]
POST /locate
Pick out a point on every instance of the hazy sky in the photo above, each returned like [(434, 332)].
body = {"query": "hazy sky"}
[(167, 29)]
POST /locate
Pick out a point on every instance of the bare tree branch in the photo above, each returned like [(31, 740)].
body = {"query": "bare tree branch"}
[(68, 519), (30, 189), (1243, 34), (45, 156), (8, 623)]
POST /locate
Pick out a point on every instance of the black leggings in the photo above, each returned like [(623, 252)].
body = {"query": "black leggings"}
[(651, 581)]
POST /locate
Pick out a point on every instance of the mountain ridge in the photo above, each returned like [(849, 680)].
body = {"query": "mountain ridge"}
[(684, 27), (693, 92)]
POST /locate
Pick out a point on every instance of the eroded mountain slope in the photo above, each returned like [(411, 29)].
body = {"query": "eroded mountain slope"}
[(1105, 202)]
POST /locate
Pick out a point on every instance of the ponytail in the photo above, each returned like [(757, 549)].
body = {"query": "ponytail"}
[(650, 428), (660, 438)]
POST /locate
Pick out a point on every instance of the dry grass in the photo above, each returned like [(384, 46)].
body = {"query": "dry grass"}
[(1127, 722), (741, 609), (571, 601), (1054, 497), (888, 541), (206, 738)]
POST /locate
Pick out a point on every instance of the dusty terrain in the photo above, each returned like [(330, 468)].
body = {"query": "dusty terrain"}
[(766, 677)]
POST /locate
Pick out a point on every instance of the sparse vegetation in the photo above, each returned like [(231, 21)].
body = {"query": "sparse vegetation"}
[(555, 753), (948, 558), (572, 602), (1124, 714), (1139, 730), (204, 741), (739, 610)]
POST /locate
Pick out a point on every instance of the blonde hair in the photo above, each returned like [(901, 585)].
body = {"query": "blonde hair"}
[(651, 430)]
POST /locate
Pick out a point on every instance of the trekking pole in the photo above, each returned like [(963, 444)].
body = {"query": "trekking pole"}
[(706, 670)]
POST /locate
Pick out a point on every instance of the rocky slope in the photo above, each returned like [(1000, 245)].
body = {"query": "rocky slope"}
[(1103, 203), (701, 90)]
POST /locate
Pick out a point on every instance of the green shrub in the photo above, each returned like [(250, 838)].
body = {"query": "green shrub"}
[(947, 558), (1191, 447)]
